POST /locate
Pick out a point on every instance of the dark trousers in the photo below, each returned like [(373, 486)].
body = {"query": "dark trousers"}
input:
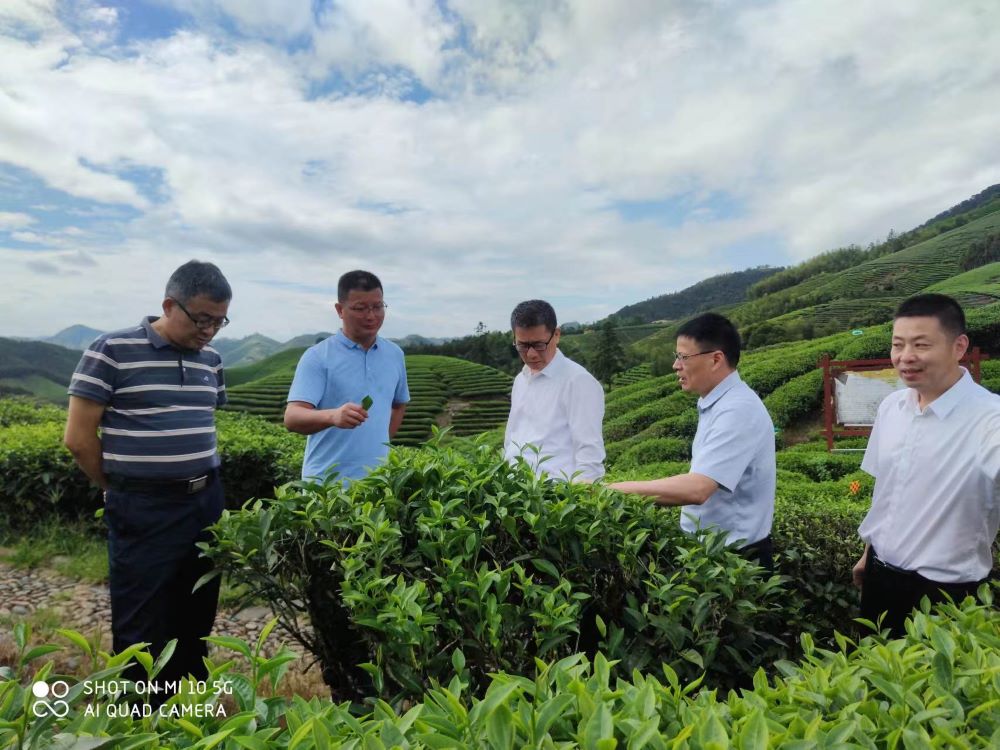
[(761, 552), (897, 592), (154, 566)]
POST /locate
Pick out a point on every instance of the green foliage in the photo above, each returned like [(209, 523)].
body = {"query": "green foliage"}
[(39, 479), (72, 549), (19, 410), (609, 356), (256, 456), (799, 397), (933, 688), (721, 289), (656, 450), (438, 550)]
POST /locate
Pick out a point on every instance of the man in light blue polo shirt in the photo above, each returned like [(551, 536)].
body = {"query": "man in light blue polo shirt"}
[(732, 479), (336, 378)]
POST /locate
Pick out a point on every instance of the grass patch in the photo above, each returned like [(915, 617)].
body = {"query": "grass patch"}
[(74, 550)]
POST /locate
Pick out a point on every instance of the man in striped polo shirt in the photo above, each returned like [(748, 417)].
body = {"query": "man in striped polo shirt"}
[(141, 425)]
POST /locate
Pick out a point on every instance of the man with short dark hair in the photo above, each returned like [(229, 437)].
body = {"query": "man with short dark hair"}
[(556, 406), (152, 391), (935, 454), (349, 393), (732, 479)]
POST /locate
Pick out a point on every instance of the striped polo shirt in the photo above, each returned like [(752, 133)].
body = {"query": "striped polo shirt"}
[(159, 420)]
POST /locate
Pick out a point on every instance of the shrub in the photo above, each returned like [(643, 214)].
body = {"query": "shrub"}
[(28, 411), (796, 399), (820, 467), (437, 550), (256, 456), (656, 450), (935, 687), (38, 477)]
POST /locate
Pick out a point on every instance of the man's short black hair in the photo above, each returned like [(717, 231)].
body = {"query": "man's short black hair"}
[(359, 281), (198, 278), (947, 311), (714, 332), (533, 312)]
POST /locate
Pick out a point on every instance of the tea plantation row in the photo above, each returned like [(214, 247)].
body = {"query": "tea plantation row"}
[(444, 391)]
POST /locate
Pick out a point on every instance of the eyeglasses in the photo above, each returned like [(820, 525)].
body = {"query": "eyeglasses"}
[(685, 357), (538, 346), (378, 308), (204, 324)]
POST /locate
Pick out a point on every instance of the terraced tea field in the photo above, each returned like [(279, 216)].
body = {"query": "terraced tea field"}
[(469, 397), (444, 391)]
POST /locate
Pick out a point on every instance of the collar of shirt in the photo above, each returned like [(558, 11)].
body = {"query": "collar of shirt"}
[(552, 369), (342, 339), (944, 404), (155, 340), (728, 383)]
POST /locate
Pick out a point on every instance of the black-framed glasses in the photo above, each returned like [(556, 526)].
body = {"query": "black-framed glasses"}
[(678, 357), (538, 346), (204, 324), (378, 308)]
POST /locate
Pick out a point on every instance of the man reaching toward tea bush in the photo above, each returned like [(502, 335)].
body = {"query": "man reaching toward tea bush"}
[(935, 454), (152, 391), (349, 392), (556, 406), (732, 479)]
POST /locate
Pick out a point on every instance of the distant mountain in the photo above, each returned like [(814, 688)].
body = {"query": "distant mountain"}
[(417, 340), (306, 340), (77, 337), (245, 351), (257, 347), (37, 368), (724, 289)]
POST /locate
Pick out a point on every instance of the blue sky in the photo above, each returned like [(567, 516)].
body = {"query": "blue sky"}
[(472, 154)]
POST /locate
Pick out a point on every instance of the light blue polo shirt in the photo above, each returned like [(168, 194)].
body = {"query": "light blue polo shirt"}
[(337, 371), (734, 446)]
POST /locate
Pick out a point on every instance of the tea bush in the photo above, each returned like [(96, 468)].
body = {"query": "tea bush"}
[(936, 687), (16, 410), (798, 398), (38, 477), (438, 550)]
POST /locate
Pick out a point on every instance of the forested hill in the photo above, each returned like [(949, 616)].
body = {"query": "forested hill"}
[(724, 289)]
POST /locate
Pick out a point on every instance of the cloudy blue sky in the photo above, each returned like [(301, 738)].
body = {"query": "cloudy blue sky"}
[(472, 153)]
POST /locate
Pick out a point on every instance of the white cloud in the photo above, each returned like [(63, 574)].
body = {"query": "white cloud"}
[(15, 220), (819, 125)]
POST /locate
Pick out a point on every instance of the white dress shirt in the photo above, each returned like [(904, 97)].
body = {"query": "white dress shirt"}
[(559, 411), (734, 446), (934, 509)]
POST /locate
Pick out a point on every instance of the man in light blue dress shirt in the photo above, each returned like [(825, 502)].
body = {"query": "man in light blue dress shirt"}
[(333, 380), (732, 479)]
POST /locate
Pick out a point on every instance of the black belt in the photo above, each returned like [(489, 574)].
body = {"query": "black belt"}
[(878, 562), (186, 486)]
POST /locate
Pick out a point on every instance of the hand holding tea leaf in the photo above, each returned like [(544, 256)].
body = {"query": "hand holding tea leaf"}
[(348, 416)]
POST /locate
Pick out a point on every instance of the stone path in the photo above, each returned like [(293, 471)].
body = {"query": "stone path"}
[(86, 607)]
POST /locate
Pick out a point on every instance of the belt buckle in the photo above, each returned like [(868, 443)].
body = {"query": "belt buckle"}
[(197, 484)]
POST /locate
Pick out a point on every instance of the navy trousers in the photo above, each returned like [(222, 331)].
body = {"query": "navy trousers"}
[(154, 565)]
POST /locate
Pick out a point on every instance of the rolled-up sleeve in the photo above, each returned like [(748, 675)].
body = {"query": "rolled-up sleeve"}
[(586, 420), (728, 448)]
